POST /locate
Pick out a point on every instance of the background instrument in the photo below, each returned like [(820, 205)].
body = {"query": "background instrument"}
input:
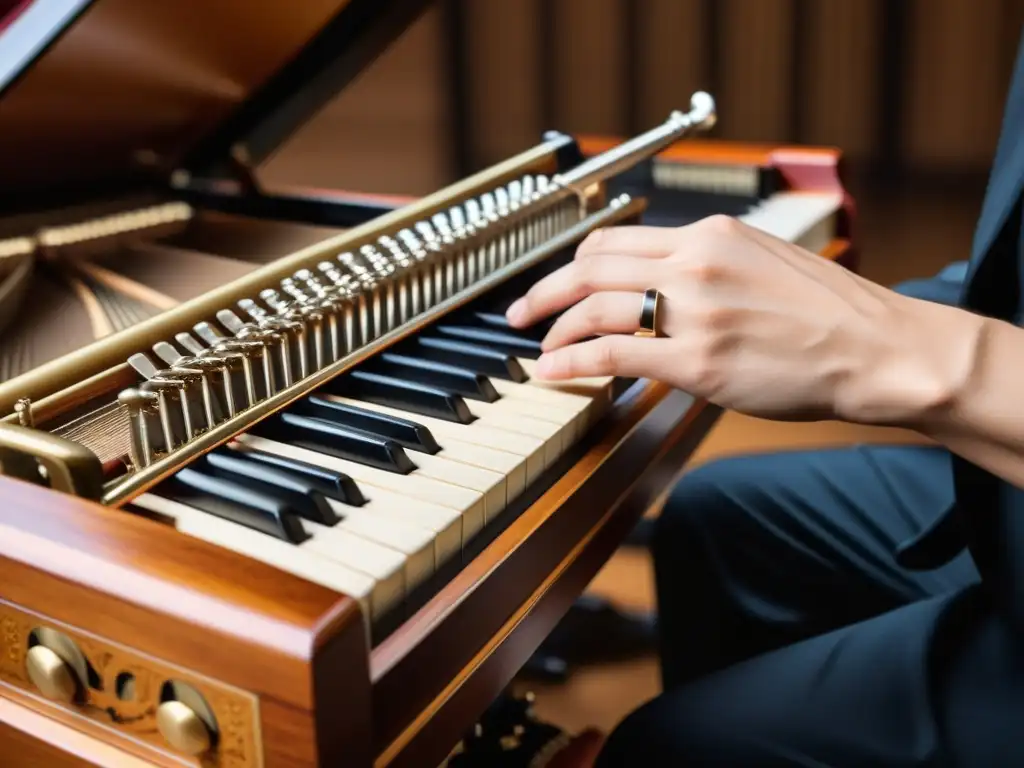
[(300, 502)]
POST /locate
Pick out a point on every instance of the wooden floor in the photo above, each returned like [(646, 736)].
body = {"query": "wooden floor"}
[(903, 235)]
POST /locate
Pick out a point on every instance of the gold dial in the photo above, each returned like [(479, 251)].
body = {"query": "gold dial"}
[(183, 728), (51, 675)]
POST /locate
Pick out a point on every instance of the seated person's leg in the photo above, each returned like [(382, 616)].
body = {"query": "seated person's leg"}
[(935, 683), (756, 553), (753, 553)]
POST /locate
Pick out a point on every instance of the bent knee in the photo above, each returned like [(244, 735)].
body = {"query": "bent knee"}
[(716, 492)]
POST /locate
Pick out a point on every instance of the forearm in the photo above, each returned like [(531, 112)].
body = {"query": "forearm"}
[(983, 420), (962, 385)]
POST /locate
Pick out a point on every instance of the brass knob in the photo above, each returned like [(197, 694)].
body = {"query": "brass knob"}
[(183, 728), (53, 676)]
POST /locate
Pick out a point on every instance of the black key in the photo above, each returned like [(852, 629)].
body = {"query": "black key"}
[(306, 500), (486, 318), (494, 338), (264, 512), (489, 362), (335, 440), (331, 483), (413, 436), (404, 395), (451, 378)]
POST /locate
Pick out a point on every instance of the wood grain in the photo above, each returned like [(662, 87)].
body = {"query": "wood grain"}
[(127, 579)]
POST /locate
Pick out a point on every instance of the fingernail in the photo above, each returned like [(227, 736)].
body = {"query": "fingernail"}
[(516, 312)]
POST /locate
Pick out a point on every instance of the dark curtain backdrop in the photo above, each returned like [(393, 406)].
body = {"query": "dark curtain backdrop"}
[(904, 87)]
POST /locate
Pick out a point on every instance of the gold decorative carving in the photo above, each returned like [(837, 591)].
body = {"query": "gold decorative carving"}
[(123, 689)]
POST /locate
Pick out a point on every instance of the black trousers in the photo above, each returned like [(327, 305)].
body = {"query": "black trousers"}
[(790, 636)]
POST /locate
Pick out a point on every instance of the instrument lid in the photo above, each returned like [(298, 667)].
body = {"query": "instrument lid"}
[(102, 97)]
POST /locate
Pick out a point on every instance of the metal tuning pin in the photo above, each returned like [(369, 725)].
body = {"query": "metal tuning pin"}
[(146, 436), (346, 285), (506, 247), (173, 400), (213, 410), (387, 286), (478, 222), (425, 269), (256, 365), (451, 257), (465, 233), (409, 277), (281, 335), (435, 253), (333, 301), (368, 307), (229, 364)]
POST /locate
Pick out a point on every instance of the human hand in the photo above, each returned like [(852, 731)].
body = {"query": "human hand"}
[(750, 322)]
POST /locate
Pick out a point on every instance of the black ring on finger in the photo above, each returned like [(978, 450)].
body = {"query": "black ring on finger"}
[(650, 313)]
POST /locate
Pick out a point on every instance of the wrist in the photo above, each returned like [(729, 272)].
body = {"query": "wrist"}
[(917, 366)]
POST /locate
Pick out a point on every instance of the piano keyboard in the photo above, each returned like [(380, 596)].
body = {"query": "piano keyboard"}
[(391, 475), (388, 475)]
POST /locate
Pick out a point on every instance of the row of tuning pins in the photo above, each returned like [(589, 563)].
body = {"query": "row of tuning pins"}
[(317, 317)]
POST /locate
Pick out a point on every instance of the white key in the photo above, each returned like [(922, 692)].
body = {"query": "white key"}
[(586, 409), (476, 435), (413, 486), (491, 484), (360, 539), (311, 566), (567, 418), (443, 523)]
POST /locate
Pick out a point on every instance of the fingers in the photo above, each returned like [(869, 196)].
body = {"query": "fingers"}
[(578, 279), (596, 315), (628, 356), (640, 241)]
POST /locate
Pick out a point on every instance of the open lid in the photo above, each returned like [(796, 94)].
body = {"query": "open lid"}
[(102, 98)]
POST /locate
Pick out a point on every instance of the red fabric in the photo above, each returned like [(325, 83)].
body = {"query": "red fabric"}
[(10, 10)]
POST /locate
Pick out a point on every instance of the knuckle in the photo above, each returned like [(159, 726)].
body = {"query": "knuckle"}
[(590, 242), (588, 273), (716, 320), (719, 223), (700, 266), (607, 355)]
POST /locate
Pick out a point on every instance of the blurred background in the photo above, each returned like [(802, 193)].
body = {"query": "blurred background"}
[(910, 90), (905, 87)]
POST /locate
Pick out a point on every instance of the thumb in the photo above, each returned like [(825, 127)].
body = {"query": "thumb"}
[(613, 355)]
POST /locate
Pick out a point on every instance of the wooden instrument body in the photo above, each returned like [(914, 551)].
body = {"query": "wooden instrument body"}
[(290, 658)]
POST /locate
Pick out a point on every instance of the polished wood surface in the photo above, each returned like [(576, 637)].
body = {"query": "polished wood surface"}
[(300, 648), (148, 82)]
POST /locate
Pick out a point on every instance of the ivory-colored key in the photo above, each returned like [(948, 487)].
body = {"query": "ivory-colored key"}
[(491, 484), (512, 420), (375, 548), (588, 409), (414, 486), (529, 449), (282, 555), (442, 523), (563, 421)]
